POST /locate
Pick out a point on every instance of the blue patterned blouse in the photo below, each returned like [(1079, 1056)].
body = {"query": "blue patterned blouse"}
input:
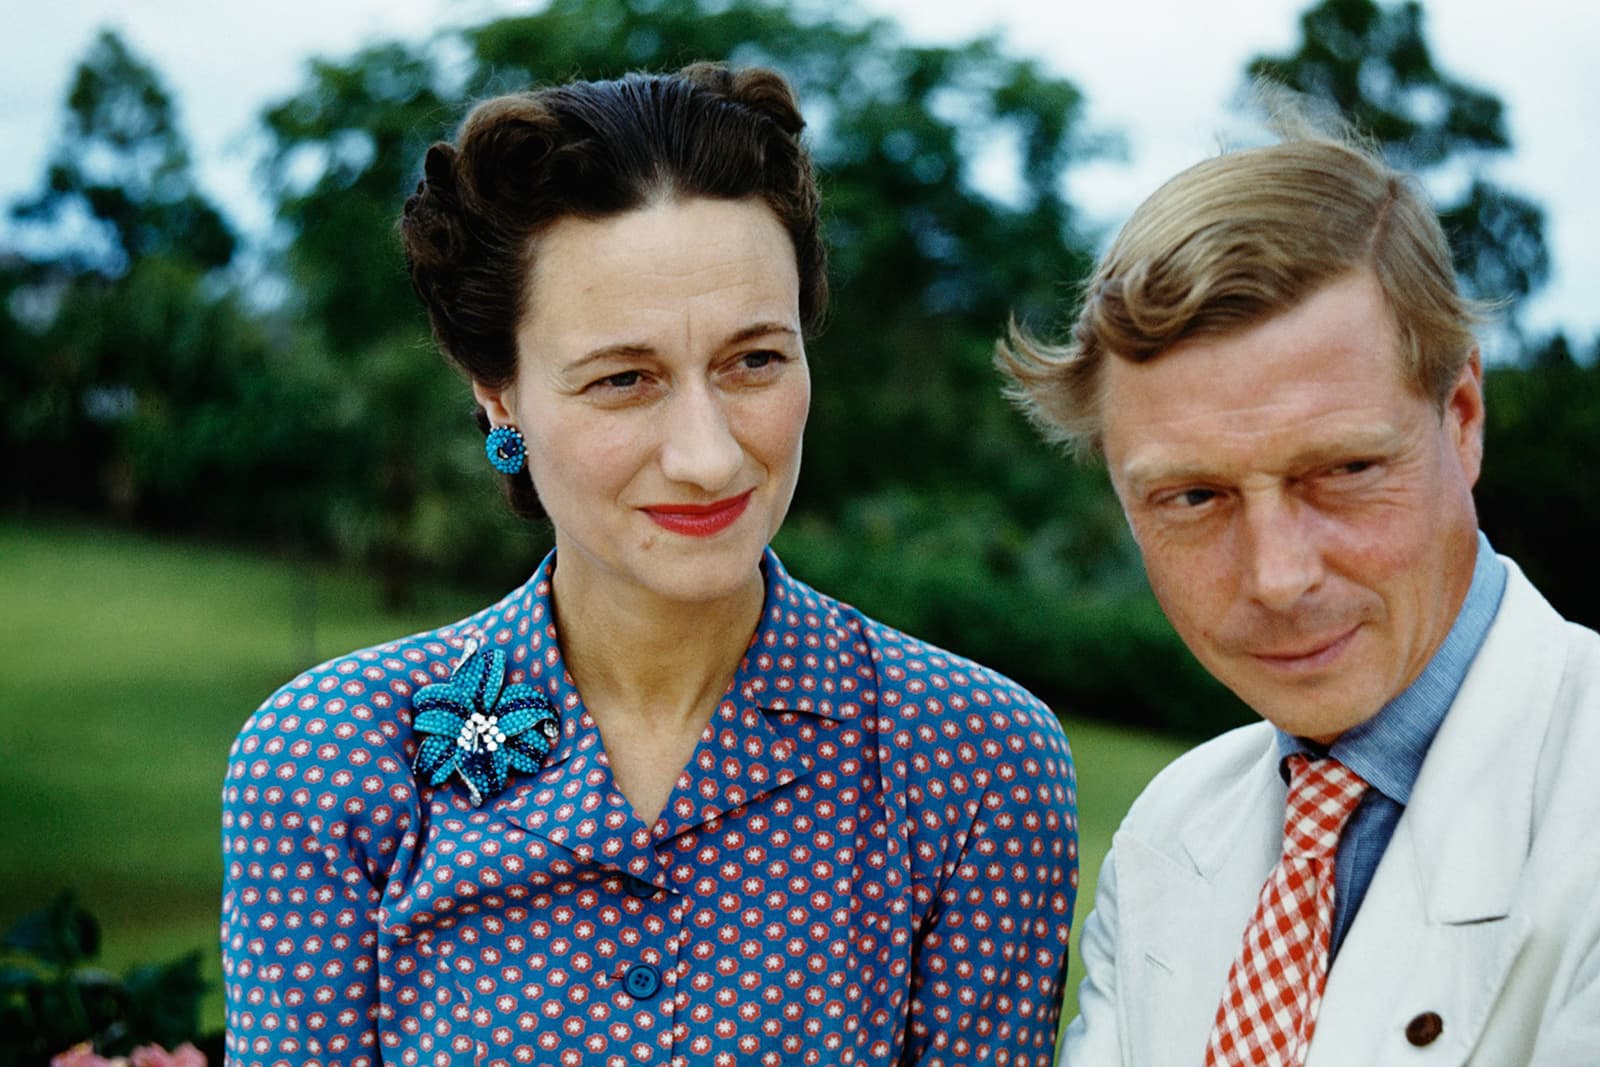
[(870, 858)]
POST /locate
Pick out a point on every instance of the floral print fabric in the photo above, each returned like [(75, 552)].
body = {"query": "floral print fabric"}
[(871, 858)]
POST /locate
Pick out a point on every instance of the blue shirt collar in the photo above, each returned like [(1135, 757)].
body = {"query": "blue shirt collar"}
[(808, 672), (1387, 750), (806, 655)]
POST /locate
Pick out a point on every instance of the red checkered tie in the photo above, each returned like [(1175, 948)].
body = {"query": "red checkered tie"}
[(1275, 987)]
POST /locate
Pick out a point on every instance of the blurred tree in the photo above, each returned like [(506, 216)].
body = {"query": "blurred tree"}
[(343, 152), (122, 166), (1372, 62), (927, 259), (1532, 502), (410, 488), (27, 416), (136, 380)]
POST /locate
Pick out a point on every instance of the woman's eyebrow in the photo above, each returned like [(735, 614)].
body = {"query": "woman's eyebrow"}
[(636, 350)]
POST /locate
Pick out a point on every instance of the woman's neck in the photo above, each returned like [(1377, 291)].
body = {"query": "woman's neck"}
[(659, 664)]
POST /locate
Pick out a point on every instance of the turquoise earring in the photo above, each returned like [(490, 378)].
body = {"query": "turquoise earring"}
[(506, 449)]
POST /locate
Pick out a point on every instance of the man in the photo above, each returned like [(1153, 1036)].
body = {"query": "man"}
[(1402, 863)]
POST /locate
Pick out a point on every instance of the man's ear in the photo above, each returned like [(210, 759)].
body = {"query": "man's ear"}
[(1464, 416), (497, 404)]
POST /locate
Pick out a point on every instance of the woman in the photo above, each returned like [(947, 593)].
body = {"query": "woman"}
[(664, 803)]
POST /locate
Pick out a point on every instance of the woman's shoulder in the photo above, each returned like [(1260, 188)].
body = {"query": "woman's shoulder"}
[(921, 689), (951, 741), (359, 703)]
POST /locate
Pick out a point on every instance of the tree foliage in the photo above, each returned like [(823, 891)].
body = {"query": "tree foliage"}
[(926, 262), (136, 381), (1534, 500), (1373, 63), (343, 153), (121, 165)]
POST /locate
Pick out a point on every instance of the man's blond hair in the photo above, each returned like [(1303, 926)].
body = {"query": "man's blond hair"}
[(1233, 241)]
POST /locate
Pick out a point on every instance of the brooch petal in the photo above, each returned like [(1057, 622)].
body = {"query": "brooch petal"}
[(476, 726)]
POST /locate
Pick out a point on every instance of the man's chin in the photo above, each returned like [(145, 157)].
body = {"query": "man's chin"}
[(1317, 712)]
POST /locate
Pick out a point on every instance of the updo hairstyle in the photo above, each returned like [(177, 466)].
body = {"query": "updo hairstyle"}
[(593, 150)]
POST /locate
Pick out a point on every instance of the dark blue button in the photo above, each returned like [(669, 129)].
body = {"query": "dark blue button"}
[(642, 981), (638, 887)]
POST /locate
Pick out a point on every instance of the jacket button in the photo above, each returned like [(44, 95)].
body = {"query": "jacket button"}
[(638, 887), (1424, 1029), (642, 981)]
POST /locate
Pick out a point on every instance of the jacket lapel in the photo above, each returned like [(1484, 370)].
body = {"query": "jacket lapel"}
[(1185, 911), (1438, 931)]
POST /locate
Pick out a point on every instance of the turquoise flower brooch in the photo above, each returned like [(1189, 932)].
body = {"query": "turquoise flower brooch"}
[(478, 727)]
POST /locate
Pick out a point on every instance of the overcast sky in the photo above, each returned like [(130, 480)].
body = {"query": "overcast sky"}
[(1164, 73)]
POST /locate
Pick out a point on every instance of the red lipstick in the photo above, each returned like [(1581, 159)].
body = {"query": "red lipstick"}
[(699, 520)]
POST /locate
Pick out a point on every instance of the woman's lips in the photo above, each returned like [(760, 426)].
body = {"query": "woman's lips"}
[(699, 520)]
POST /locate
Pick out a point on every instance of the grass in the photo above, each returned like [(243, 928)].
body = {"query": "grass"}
[(127, 665), (1113, 764)]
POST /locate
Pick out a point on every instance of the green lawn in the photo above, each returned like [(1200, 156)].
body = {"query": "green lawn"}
[(126, 666)]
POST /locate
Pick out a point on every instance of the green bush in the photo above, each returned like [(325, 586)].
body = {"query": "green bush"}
[(957, 573), (52, 997), (1536, 499)]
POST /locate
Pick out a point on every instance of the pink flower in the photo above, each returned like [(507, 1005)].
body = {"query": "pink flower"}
[(185, 1055), (83, 1055)]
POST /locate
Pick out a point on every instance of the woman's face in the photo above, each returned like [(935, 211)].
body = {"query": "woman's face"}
[(662, 388)]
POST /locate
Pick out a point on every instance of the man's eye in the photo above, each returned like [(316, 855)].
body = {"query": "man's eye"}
[(1355, 466), (761, 359), (1193, 498)]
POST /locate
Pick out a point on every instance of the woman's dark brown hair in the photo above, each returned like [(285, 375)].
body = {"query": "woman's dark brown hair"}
[(592, 150)]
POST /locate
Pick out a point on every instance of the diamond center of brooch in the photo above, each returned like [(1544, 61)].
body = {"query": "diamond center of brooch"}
[(481, 731)]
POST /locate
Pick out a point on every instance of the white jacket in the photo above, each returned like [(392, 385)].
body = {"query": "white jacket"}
[(1485, 909)]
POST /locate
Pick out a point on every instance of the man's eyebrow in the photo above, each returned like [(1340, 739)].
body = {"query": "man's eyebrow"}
[(1140, 469), (1358, 442), (760, 329)]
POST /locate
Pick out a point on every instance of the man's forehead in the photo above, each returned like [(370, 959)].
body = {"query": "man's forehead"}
[(1324, 375)]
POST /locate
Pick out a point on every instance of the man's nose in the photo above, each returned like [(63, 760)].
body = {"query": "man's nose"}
[(1284, 558), (699, 447)]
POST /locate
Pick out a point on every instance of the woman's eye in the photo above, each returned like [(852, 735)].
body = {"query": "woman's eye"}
[(621, 380)]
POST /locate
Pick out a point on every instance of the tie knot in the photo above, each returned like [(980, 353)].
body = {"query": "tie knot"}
[(1322, 794)]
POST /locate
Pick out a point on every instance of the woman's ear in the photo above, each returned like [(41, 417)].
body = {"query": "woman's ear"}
[(497, 404)]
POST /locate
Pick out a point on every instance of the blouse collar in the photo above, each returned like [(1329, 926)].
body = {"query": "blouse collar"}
[(807, 672)]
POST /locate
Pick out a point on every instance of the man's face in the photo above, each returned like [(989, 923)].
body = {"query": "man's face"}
[(1305, 516)]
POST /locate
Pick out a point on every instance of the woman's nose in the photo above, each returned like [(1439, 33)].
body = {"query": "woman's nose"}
[(699, 447)]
